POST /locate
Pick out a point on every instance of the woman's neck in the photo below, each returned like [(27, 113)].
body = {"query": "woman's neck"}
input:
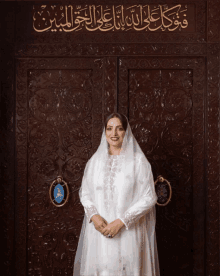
[(114, 150)]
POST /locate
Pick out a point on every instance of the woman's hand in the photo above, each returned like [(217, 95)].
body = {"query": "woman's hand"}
[(113, 228), (99, 222)]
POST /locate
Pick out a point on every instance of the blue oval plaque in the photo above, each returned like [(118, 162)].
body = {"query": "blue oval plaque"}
[(58, 193)]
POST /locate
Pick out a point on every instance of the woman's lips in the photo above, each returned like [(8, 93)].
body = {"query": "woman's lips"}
[(114, 139)]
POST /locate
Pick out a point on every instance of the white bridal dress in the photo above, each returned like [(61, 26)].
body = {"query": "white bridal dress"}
[(118, 186)]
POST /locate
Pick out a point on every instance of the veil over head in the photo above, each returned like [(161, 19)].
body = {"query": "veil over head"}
[(136, 197), (130, 154)]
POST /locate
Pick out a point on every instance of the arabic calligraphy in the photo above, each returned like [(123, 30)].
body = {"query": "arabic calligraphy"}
[(105, 18)]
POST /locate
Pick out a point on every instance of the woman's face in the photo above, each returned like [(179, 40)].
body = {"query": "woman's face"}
[(114, 132)]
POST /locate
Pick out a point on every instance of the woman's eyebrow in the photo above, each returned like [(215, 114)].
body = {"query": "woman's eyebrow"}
[(111, 126)]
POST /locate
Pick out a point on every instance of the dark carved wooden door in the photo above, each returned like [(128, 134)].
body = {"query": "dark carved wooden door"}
[(60, 108), (58, 84), (61, 105), (163, 98)]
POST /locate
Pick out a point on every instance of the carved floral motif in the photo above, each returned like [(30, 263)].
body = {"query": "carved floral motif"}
[(58, 128), (112, 45), (164, 100)]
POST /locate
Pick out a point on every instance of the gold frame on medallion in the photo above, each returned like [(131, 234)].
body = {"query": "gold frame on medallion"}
[(59, 179)]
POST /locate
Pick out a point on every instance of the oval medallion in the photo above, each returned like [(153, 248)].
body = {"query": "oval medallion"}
[(163, 190), (59, 192)]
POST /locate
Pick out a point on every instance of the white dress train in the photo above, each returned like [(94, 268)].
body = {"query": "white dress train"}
[(133, 251)]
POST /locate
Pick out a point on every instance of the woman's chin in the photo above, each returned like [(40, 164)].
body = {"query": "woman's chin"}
[(115, 144)]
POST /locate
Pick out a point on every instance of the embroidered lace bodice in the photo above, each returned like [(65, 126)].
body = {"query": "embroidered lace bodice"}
[(112, 168)]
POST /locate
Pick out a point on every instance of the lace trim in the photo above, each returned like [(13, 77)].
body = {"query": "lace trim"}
[(129, 218), (113, 167), (132, 216), (90, 211)]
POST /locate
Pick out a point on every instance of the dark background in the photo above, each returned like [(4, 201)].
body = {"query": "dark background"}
[(166, 83)]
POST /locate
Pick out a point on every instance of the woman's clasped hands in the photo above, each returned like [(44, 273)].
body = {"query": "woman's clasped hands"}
[(106, 228)]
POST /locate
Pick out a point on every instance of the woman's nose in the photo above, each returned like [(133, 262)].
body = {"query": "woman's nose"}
[(115, 131)]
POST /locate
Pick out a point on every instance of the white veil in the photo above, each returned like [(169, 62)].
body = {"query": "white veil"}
[(136, 197)]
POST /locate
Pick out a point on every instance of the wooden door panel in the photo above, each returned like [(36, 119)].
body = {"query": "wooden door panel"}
[(61, 105), (163, 99), (59, 139)]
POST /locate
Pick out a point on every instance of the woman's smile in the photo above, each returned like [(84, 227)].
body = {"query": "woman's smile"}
[(115, 133)]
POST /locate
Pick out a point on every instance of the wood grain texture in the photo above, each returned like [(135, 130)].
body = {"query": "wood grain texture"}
[(165, 106), (58, 127), (7, 133), (33, 51), (212, 161)]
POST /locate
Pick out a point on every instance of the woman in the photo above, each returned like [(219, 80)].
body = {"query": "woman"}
[(119, 199)]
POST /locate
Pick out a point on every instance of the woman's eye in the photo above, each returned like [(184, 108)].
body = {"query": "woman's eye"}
[(119, 129)]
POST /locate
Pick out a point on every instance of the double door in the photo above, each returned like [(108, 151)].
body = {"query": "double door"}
[(61, 105)]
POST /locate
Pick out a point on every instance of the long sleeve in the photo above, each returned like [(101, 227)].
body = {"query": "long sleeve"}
[(148, 197), (85, 198)]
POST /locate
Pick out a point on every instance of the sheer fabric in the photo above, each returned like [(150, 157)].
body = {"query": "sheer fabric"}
[(118, 186)]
